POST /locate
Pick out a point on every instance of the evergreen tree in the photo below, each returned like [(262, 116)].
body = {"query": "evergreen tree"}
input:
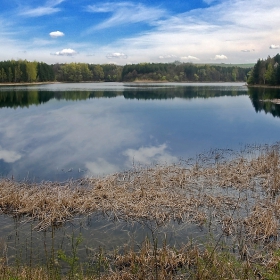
[(3, 75)]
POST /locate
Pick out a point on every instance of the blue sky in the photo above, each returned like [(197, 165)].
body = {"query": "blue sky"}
[(123, 32)]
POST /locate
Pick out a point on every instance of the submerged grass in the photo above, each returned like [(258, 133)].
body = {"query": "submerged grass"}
[(235, 195)]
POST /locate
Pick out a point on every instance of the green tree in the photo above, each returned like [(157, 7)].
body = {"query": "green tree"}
[(269, 74), (196, 77), (85, 72), (72, 72), (10, 75), (45, 72), (3, 75), (98, 73), (31, 71), (234, 74), (17, 73), (182, 76)]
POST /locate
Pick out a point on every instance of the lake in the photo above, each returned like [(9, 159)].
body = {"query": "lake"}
[(62, 131)]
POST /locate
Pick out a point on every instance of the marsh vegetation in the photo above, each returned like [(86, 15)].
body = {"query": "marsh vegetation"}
[(232, 196)]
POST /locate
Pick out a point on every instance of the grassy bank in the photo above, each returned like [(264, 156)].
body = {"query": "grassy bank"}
[(234, 196)]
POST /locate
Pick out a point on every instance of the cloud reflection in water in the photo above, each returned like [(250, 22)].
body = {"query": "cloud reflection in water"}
[(149, 155), (58, 137), (84, 133)]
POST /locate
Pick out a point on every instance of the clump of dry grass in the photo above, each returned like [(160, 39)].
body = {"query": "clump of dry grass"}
[(261, 223)]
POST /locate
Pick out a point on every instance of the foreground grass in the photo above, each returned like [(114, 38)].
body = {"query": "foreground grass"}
[(189, 262)]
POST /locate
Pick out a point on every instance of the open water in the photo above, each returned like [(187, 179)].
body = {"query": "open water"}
[(62, 131)]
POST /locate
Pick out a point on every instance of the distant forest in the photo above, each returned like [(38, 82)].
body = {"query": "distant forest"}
[(21, 71), (265, 72)]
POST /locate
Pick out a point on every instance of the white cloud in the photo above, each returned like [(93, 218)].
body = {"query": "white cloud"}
[(225, 27), (167, 56), (189, 57), (9, 156), (125, 13), (149, 155), (220, 57), (274, 47), (47, 9), (40, 11), (245, 50), (56, 34), (116, 55), (66, 52)]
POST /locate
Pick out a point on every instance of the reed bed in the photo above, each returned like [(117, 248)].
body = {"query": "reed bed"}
[(234, 195), (233, 192)]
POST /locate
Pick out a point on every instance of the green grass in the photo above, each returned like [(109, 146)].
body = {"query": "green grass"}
[(211, 260)]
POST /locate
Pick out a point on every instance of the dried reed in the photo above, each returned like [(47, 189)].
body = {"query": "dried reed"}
[(186, 192)]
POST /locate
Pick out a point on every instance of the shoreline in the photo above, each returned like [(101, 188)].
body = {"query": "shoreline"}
[(28, 84), (185, 82), (262, 86)]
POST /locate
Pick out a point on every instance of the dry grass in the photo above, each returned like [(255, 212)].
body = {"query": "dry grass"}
[(240, 192), (235, 194)]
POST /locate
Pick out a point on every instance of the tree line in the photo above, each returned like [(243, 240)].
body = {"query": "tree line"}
[(183, 72), (265, 72), (24, 71), (78, 72), (21, 71)]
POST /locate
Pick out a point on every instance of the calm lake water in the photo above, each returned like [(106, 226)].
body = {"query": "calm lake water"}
[(61, 131)]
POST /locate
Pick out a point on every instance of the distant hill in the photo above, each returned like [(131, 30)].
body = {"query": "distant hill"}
[(248, 65)]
